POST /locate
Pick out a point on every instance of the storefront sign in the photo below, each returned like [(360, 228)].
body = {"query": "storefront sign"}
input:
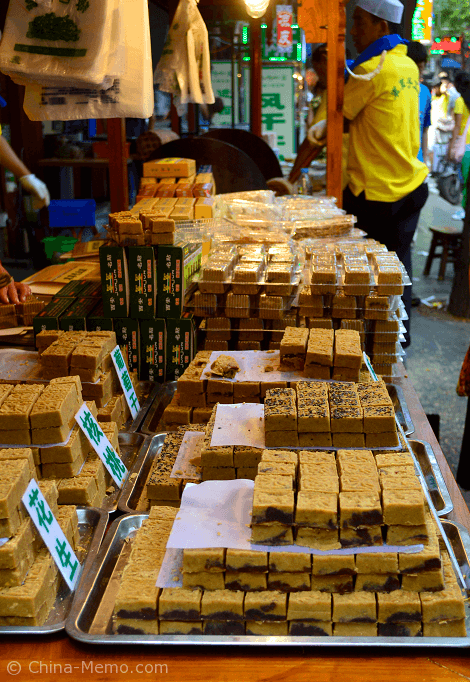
[(221, 77), (284, 20), (278, 106)]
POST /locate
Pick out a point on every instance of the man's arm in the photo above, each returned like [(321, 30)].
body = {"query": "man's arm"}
[(424, 145), (10, 160), (455, 132)]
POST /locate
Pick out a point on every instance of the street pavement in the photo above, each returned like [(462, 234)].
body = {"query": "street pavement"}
[(439, 340)]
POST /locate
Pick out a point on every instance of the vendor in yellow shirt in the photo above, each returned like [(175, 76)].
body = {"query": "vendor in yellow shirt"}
[(387, 188), (461, 114)]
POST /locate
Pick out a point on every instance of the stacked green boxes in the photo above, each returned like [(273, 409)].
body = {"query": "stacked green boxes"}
[(80, 287), (127, 336), (177, 265), (97, 322), (114, 281), (144, 290), (49, 317), (152, 350), (180, 337), (142, 282), (75, 317)]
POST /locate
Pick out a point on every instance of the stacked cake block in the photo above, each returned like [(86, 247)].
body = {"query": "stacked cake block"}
[(135, 609), (237, 592), (28, 574), (337, 414)]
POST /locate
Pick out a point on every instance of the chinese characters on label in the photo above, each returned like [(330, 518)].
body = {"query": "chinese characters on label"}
[(101, 445), (126, 382), (52, 534)]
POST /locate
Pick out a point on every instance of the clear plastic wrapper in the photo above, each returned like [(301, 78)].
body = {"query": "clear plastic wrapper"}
[(340, 226)]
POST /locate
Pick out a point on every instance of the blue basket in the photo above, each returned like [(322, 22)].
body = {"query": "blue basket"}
[(72, 213)]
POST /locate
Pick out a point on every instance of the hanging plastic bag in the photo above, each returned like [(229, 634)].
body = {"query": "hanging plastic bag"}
[(50, 42), (184, 67), (131, 95)]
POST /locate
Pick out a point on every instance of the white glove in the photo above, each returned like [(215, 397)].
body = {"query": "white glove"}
[(317, 134), (36, 187)]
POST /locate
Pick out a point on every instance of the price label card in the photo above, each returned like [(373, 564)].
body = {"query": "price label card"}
[(52, 534), (101, 445), (126, 382)]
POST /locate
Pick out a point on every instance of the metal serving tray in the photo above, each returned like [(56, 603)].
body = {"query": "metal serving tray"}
[(152, 422), (90, 616), (401, 408), (131, 492), (130, 445), (92, 523), (146, 393), (433, 477)]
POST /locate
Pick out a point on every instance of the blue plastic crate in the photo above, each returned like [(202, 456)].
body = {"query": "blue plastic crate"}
[(72, 213)]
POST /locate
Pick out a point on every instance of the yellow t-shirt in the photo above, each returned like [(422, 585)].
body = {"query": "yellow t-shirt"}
[(384, 131), (461, 108)]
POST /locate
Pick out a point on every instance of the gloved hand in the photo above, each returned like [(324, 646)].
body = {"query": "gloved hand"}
[(317, 134), (36, 187)]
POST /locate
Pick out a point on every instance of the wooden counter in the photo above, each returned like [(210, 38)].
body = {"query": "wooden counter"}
[(73, 660)]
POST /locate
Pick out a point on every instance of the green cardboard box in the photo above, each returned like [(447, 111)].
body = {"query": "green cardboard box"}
[(127, 337), (179, 345), (142, 282), (152, 350), (72, 289), (97, 322), (176, 266), (75, 317), (114, 281), (49, 317)]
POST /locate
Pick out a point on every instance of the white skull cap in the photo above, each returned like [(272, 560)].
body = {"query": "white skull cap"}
[(390, 10)]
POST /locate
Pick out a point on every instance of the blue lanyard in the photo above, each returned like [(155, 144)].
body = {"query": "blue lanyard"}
[(376, 48)]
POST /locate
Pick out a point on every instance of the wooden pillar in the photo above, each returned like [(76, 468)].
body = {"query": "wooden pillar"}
[(118, 182), (335, 90), (255, 77)]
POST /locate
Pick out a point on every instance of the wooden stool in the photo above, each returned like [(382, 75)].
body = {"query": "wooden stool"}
[(450, 240)]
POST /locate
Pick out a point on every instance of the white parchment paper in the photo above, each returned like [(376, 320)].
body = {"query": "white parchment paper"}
[(189, 449), (239, 424)]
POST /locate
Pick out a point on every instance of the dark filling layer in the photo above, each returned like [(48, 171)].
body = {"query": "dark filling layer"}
[(222, 615), (404, 617), (180, 614), (364, 518), (274, 515), (396, 630), (227, 628), (304, 629), (143, 614)]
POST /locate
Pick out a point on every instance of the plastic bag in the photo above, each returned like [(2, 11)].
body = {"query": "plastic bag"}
[(131, 95), (184, 67), (50, 43)]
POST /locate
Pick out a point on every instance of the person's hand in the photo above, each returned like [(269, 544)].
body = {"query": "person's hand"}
[(15, 292), (317, 134), (36, 187)]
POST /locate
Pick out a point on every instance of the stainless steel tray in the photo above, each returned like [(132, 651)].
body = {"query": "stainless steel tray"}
[(401, 408), (130, 445), (90, 616), (92, 523), (152, 422), (146, 393), (433, 476), (132, 490)]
